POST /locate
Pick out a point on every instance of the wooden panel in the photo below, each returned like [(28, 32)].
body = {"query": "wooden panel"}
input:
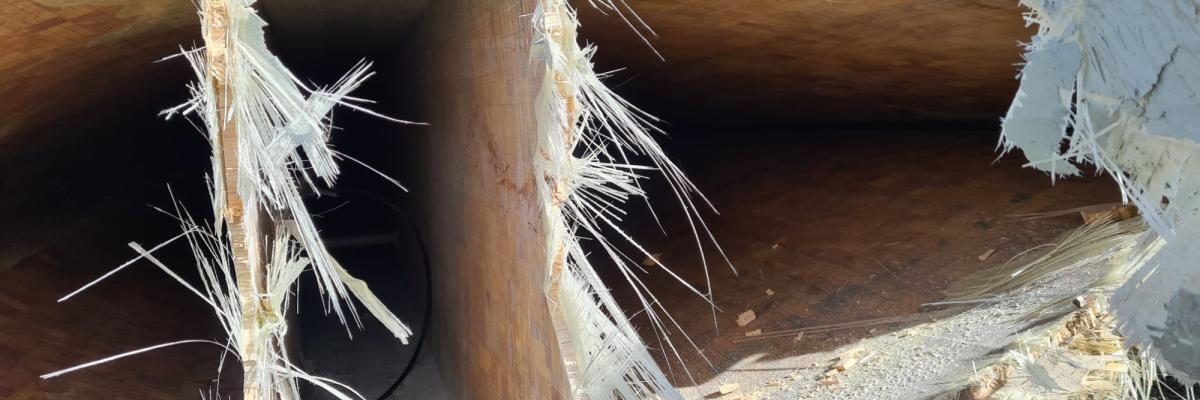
[(858, 60), (63, 65), (492, 326), (133, 309), (58, 56)]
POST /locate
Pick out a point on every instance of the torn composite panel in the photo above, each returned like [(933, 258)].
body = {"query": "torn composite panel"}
[(1115, 83), (269, 135), (588, 138)]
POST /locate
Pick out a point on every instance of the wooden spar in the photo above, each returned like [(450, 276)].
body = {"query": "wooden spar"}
[(555, 17), (244, 238), (554, 27)]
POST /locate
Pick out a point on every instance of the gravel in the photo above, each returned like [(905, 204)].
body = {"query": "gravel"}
[(912, 363)]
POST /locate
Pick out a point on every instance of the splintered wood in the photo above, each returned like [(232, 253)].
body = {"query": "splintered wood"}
[(987, 254), (728, 391), (746, 318), (842, 363), (1113, 213), (241, 219)]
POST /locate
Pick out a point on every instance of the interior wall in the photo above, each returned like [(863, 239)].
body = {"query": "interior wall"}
[(131, 310), (79, 86), (480, 204), (81, 154), (735, 64)]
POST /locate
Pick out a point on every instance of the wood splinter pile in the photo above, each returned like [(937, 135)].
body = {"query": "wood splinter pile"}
[(844, 362), (728, 391)]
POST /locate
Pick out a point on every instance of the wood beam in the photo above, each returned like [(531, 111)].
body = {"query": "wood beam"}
[(242, 216)]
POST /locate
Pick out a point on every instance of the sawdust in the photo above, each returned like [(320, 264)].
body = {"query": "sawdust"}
[(921, 360)]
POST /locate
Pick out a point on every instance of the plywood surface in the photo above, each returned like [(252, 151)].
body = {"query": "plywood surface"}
[(757, 61), (57, 56), (133, 309), (493, 334)]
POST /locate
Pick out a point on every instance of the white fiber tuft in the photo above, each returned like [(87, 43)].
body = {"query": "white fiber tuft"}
[(590, 140), (269, 135)]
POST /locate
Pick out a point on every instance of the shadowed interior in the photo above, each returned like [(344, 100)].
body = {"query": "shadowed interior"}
[(851, 150), (848, 145)]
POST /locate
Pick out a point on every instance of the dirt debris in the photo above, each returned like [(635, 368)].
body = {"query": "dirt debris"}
[(915, 360)]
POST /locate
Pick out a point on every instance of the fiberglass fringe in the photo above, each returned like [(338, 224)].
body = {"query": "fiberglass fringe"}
[(276, 119), (587, 140), (1115, 83)]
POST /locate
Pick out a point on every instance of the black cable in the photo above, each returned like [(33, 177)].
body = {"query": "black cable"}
[(416, 231), (412, 362)]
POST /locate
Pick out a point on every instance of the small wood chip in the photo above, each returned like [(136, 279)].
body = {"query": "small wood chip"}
[(829, 381), (755, 332), (728, 388), (866, 358), (846, 360), (770, 292), (649, 261), (799, 337), (987, 254), (846, 363), (746, 318), (1102, 213)]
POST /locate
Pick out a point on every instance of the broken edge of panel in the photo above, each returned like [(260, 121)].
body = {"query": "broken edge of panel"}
[(1115, 84), (269, 136), (259, 116), (587, 139)]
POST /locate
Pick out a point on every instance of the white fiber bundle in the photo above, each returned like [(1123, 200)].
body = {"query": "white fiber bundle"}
[(282, 130), (1117, 82), (589, 140)]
